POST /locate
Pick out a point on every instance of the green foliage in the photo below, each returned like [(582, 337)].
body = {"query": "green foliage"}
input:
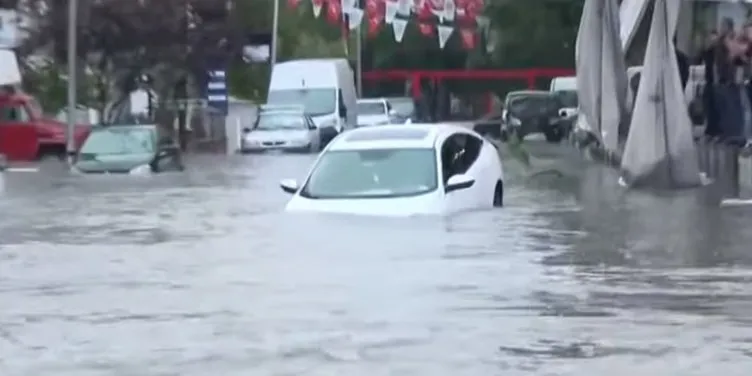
[(534, 33), (49, 84)]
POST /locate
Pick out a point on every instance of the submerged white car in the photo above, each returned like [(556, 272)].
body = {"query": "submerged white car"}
[(373, 111), (402, 170), (280, 128)]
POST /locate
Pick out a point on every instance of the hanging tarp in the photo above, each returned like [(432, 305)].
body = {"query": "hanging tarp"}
[(614, 82), (587, 61), (601, 72), (660, 151)]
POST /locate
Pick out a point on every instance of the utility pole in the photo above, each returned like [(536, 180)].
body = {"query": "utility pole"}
[(72, 80), (359, 51), (275, 31)]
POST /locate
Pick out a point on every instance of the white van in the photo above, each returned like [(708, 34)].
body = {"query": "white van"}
[(563, 84), (324, 87)]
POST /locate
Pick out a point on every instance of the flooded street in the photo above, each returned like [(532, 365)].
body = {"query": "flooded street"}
[(202, 273)]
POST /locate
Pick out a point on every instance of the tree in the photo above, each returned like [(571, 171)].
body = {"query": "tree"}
[(119, 40)]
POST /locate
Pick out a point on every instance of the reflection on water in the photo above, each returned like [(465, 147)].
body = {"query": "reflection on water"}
[(198, 273)]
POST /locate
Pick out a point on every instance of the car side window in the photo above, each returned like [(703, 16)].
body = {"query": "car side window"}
[(458, 153), (13, 113)]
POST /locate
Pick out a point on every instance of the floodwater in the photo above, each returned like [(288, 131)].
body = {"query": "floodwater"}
[(201, 273)]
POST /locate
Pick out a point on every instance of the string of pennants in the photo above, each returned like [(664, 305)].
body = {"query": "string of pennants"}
[(439, 18)]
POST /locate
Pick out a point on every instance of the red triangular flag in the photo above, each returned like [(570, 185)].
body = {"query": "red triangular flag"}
[(292, 4), (426, 29), (374, 25), (333, 12), (468, 38)]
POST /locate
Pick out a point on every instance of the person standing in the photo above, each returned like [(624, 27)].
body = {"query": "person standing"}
[(683, 61), (707, 58)]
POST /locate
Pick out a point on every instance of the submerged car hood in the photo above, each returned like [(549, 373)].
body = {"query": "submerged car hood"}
[(115, 163), (277, 135)]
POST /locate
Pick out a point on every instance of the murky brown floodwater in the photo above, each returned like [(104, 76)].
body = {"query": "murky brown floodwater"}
[(202, 273)]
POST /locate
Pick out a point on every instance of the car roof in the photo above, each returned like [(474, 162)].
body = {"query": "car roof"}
[(396, 136), (117, 126), (371, 100), (527, 92)]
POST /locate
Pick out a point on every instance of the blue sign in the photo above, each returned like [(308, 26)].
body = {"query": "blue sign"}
[(216, 90)]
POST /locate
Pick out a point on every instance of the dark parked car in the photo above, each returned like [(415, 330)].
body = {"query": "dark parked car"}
[(535, 112)]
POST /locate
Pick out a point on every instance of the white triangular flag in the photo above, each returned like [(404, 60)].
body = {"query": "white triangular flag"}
[(403, 7), (399, 26), (347, 6), (316, 8), (390, 11), (449, 10), (356, 16), (444, 33)]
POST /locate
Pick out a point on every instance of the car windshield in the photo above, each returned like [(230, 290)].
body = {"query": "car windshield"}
[(379, 173), (270, 122), (315, 102), (371, 108), (404, 107), (568, 98), (534, 105), (119, 141)]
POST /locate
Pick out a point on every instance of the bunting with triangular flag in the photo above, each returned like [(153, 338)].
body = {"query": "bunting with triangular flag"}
[(468, 38), (355, 18), (449, 10), (317, 5), (390, 11), (347, 5), (444, 32), (399, 26), (403, 7)]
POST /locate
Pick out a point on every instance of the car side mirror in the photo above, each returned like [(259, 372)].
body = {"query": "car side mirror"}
[(289, 186), (342, 112), (459, 182), (392, 112)]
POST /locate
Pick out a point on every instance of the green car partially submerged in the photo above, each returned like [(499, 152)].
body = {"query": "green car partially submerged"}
[(128, 149)]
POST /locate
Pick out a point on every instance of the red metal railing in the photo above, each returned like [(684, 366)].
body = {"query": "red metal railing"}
[(530, 76)]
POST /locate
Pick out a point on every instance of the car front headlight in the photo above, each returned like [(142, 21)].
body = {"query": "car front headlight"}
[(250, 143), (140, 170)]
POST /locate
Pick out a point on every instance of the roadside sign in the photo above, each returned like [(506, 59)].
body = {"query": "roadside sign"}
[(216, 90)]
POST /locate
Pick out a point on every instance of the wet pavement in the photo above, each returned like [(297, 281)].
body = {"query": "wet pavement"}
[(201, 273)]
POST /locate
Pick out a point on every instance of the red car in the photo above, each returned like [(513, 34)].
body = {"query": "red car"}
[(27, 135)]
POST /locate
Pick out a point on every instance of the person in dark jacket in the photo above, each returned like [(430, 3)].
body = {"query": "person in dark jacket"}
[(707, 58), (683, 62)]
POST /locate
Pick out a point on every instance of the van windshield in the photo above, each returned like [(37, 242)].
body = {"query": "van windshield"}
[(314, 101)]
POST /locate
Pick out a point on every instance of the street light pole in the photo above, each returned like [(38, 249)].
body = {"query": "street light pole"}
[(359, 51), (275, 31), (72, 80)]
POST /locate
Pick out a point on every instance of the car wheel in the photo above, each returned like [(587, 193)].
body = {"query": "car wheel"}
[(498, 198)]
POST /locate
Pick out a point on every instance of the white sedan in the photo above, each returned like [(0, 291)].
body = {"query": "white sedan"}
[(373, 111), (402, 170)]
